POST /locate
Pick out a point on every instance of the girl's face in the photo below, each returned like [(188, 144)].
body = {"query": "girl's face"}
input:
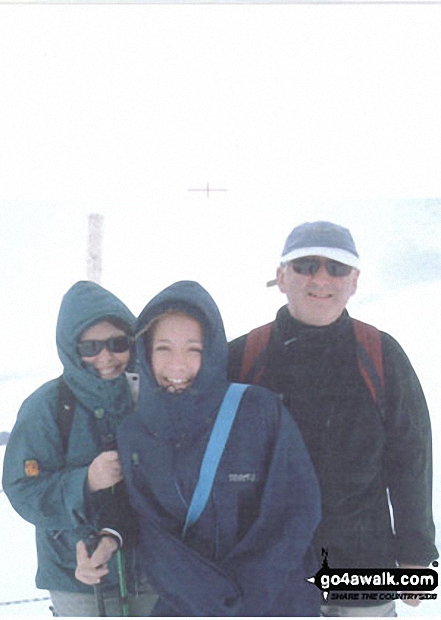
[(176, 356), (113, 348)]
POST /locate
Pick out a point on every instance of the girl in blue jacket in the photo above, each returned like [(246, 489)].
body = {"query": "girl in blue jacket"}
[(63, 481), (248, 552)]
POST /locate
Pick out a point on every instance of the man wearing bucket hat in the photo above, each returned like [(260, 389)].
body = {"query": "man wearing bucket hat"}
[(360, 407)]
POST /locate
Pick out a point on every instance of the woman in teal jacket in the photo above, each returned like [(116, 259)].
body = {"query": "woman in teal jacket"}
[(66, 485)]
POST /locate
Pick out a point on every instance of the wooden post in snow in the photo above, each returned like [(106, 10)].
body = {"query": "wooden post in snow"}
[(94, 247)]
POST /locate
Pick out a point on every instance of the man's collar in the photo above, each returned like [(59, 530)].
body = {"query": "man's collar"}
[(290, 328)]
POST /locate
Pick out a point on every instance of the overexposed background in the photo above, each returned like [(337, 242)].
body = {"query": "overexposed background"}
[(296, 112)]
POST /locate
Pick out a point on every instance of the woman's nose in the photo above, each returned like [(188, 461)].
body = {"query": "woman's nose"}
[(104, 354)]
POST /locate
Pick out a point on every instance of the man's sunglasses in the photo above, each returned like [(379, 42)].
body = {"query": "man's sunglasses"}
[(307, 266), (90, 348)]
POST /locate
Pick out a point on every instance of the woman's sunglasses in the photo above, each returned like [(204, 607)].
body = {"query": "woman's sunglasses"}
[(90, 348), (306, 266)]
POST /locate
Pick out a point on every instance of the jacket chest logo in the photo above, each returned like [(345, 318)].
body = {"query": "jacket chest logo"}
[(242, 477)]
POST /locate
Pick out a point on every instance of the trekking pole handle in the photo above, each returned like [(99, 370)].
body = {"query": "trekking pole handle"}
[(91, 543), (110, 443)]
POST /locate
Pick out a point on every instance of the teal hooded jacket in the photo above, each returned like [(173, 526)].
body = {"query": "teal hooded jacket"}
[(47, 486)]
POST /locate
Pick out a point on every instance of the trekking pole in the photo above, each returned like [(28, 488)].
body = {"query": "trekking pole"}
[(110, 444), (100, 599), (91, 544), (122, 583)]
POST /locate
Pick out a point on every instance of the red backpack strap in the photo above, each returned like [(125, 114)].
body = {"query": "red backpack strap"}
[(370, 359), (256, 342)]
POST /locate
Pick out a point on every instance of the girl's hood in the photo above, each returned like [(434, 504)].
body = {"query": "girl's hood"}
[(177, 415)]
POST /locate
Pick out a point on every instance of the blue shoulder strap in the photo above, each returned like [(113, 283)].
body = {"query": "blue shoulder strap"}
[(213, 452)]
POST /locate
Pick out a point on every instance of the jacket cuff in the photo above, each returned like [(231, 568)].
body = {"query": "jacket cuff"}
[(107, 531)]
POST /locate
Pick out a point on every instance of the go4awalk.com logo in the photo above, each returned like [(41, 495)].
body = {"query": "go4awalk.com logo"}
[(409, 582)]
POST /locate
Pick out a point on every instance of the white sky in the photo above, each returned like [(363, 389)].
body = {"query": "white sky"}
[(299, 111)]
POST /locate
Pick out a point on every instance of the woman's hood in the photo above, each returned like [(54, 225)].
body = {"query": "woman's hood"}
[(85, 304), (175, 415)]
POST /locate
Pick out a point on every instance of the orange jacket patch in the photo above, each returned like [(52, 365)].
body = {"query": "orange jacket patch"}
[(32, 468)]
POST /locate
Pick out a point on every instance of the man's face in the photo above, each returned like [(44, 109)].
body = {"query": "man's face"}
[(316, 299)]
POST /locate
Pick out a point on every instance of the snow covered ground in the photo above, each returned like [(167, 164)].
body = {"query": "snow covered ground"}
[(410, 314)]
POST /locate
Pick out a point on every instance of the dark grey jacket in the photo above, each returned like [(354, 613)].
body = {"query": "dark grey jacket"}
[(360, 456)]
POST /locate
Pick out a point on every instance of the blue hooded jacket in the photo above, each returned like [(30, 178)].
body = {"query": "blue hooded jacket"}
[(46, 486), (248, 554)]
